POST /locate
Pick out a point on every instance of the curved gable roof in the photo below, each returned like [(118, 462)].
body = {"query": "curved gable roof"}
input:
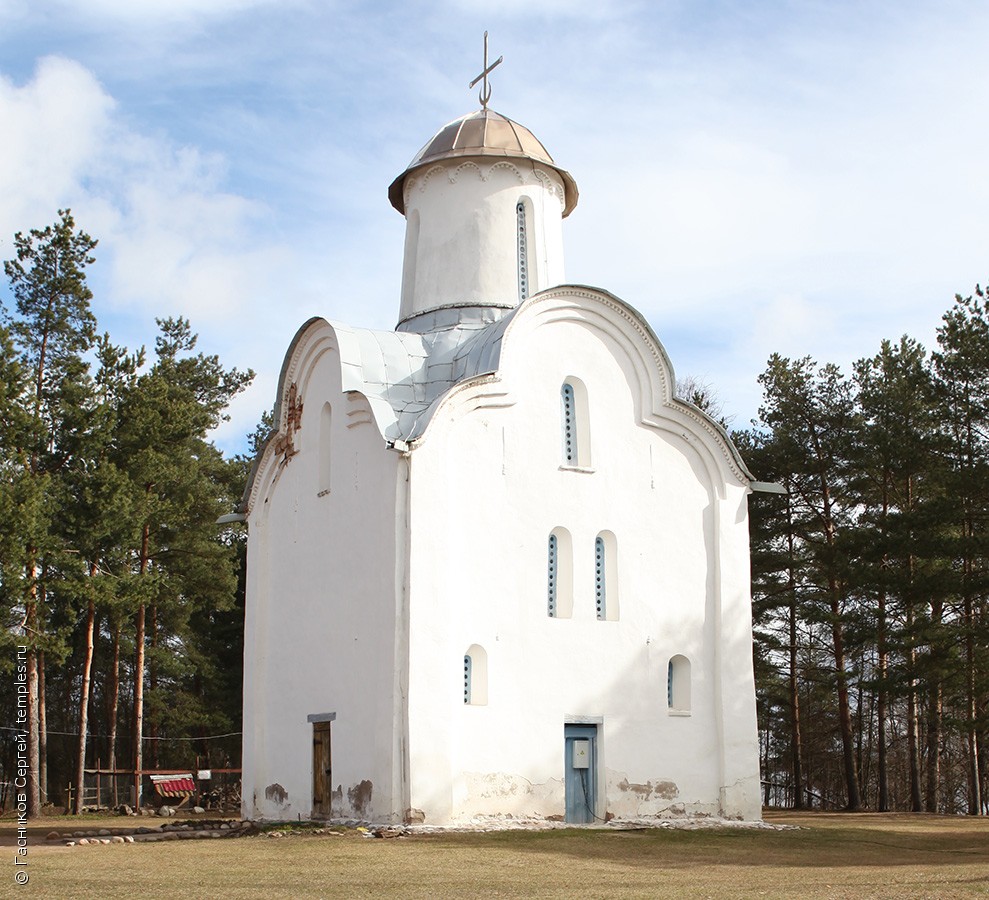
[(406, 376)]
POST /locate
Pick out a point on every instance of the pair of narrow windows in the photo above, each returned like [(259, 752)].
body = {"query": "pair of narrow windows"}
[(559, 576), (574, 423)]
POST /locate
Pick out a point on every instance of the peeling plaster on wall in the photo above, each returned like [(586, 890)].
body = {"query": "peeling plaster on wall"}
[(629, 799), (499, 793), (503, 793), (360, 797), (665, 790)]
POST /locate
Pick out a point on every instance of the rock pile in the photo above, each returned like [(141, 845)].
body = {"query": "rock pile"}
[(177, 831)]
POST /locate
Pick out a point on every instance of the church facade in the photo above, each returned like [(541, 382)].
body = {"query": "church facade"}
[(495, 566)]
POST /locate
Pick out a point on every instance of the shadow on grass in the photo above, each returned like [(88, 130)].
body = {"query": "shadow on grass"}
[(831, 842)]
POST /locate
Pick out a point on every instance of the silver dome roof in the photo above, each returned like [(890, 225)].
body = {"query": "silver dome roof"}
[(483, 133)]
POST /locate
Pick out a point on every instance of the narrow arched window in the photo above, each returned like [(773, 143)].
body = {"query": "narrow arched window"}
[(551, 576), (574, 422), (569, 425), (475, 676), (678, 684), (559, 574), (325, 442), (521, 219), (606, 576), (600, 584)]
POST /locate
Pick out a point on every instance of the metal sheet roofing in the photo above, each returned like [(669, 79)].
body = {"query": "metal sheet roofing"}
[(405, 373)]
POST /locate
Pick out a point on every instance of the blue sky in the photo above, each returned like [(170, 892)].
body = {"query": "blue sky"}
[(798, 177)]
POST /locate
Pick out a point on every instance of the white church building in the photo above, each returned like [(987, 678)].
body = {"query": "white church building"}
[(495, 566)]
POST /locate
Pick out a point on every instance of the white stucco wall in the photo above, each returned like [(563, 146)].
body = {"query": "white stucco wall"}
[(461, 233), (487, 488), (324, 621)]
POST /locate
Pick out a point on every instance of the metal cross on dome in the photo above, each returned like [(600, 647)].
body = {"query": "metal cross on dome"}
[(485, 94)]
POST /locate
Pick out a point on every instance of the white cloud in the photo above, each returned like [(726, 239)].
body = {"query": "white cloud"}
[(168, 226), (797, 177), (173, 239), (54, 126)]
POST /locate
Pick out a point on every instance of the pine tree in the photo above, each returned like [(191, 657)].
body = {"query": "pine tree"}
[(810, 411), (53, 328), (176, 480), (96, 515), (777, 617), (894, 459), (962, 368)]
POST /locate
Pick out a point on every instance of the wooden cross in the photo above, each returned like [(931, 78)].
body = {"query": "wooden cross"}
[(485, 94)]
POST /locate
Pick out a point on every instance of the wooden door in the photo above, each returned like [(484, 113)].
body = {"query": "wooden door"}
[(322, 773)]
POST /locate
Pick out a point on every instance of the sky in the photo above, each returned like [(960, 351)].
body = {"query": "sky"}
[(805, 178)]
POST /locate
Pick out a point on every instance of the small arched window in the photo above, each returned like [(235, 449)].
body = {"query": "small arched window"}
[(475, 676), (325, 441), (522, 223), (678, 684), (559, 575), (574, 421), (606, 576)]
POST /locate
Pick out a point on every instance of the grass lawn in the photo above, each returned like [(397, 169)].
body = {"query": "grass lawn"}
[(831, 855)]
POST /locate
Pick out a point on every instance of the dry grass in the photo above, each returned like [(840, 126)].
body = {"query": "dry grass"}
[(832, 855)]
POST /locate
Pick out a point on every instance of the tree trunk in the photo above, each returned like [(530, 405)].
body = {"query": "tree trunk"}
[(42, 732), (838, 645), (33, 783), (935, 711), (913, 734), (863, 747), (971, 711), (913, 723), (114, 704), (934, 716), (138, 705), (882, 665), (844, 712), (139, 678), (796, 743), (153, 685), (87, 666)]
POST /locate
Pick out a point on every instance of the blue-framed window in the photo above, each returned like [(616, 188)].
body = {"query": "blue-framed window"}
[(552, 575), (600, 578), (569, 424), (520, 216)]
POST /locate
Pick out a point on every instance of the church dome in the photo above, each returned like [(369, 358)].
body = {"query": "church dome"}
[(483, 133)]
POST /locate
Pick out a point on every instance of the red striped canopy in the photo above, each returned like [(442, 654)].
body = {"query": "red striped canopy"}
[(174, 785)]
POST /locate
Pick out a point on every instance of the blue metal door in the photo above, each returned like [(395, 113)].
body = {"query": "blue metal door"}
[(580, 771)]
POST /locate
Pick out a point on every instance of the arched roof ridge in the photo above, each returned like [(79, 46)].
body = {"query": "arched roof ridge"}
[(652, 354)]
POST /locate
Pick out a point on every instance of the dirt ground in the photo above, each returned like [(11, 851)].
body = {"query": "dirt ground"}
[(834, 855)]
